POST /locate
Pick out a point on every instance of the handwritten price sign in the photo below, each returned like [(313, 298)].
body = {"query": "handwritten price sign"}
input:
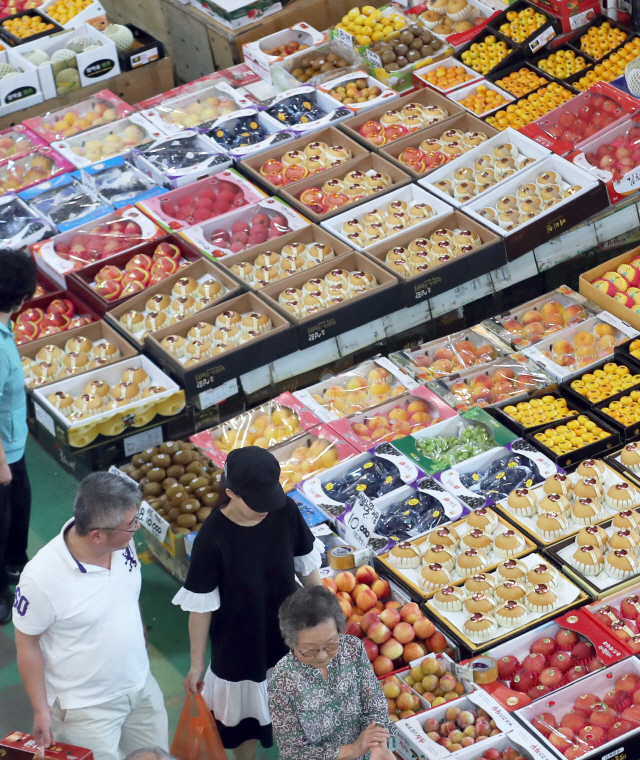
[(152, 521), (361, 521)]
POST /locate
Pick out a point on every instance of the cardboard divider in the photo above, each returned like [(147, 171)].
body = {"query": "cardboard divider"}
[(279, 341), (354, 312), (464, 268), (370, 163), (198, 268), (80, 282), (95, 332), (307, 235), (331, 136), (465, 122), (426, 97)]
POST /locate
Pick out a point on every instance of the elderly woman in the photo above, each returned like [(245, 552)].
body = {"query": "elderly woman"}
[(324, 698)]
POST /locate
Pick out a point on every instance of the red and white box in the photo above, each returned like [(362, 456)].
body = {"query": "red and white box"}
[(352, 428), (20, 746), (179, 209), (19, 140), (385, 96), (619, 616)]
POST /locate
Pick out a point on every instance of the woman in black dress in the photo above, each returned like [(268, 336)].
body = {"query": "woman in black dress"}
[(243, 566)]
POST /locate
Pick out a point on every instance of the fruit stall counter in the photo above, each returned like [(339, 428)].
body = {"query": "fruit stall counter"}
[(132, 86)]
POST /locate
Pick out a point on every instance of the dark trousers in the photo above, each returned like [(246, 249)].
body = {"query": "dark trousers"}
[(15, 510)]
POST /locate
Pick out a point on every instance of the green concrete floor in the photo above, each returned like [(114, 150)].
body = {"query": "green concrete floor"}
[(168, 639)]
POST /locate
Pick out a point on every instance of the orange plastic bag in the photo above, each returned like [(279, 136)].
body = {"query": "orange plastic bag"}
[(197, 736)]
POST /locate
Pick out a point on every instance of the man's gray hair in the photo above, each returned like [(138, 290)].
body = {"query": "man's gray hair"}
[(307, 608), (149, 753), (102, 501)]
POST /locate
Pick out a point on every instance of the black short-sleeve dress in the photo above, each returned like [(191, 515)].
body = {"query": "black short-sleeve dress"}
[(242, 575)]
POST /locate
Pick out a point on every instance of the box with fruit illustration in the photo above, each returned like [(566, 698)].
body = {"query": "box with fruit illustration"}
[(618, 614), (538, 662), (612, 286), (261, 54), (270, 424), (359, 388), (116, 232), (453, 440), (592, 718), (394, 419)]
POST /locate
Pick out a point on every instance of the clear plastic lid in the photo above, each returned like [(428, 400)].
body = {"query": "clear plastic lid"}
[(64, 204)]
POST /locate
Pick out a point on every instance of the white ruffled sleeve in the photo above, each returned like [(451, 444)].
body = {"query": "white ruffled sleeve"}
[(309, 562), (191, 602)]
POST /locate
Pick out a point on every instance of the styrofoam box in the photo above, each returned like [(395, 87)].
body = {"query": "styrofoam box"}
[(258, 60), (524, 743), (87, 15), (66, 147), (566, 592), (158, 115), (22, 91), (385, 96), (111, 374), (362, 370), (526, 147), (334, 111), (410, 193), (623, 331), (56, 267), (413, 741), (450, 478), (448, 63), (610, 478), (569, 173), (276, 134), (93, 66), (216, 161), (562, 700), (200, 234), (471, 89)]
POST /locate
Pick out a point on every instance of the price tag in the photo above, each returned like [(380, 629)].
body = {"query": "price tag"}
[(113, 470), (321, 530), (542, 39), (152, 521), (462, 672), (141, 441), (218, 394), (361, 521), (345, 37), (374, 59), (387, 364)]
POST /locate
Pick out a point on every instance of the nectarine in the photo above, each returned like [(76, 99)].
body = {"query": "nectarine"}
[(391, 649), (366, 574), (404, 633), (345, 581), (366, 599), (381, 588), (382, 665)]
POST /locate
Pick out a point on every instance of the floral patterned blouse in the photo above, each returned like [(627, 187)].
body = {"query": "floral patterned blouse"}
[(313, 718)]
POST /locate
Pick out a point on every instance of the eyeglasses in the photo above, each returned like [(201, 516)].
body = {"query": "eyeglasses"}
[(136, 523), (330, 649)]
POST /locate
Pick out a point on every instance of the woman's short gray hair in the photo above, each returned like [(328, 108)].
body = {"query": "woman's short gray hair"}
[(102, 501), (307, 608)]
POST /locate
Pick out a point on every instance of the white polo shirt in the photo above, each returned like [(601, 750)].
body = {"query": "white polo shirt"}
[(92, 635)]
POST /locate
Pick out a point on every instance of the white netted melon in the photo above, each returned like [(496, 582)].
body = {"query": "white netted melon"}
[(91, 47), (632, 77), (5, 68), (68, 76), (64, 54), (121, 35), (36, 57), (11, 74), (79, 44)]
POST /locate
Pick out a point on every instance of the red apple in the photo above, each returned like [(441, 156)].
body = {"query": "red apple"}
[(378, 632), (370, 617), (371, 648), (391, 649), (382, 665), (424, 628), (109, 289), (61, 306)]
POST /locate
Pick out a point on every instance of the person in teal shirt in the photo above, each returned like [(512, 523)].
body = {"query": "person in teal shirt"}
[(17, 285)]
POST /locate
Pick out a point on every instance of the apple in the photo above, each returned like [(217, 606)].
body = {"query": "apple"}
[(390, 617), (382, 665), (423, 628), (378, 632), (391, 649), (368, 619), (404, 633), (410, 612), (371, 648)]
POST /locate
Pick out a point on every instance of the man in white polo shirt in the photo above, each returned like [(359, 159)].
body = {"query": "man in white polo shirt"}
[(80, 638)]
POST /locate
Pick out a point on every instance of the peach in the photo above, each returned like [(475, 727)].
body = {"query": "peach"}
[(366, 599), (404, 633), (483, 380), (573, 313), (408, 702), (563, 347), (398, 414), (330, 584), (398, 426), (366, 574), (479, 394), (391, 649), (466, 345), (355, 618), (345, 581), (368, 619), (551, 307), (533, 330), (531, 316), (382, 665), (603, 328), (417, 406), (378, 421), (460, 389), (410, 612), (504, 373), (605, 343), (442, 366), (381, 588), (486, 352), (553, 322), (512, 326), (423, 627), (334, 392), (447, 682), (420, 418), (561, 738), (391, 705), (583, 338), (392, 605), (381, 435), (359, 587), (379, 606), (379, 389), (345, 607), (378, 374), (414, 650), (390, 617), (466, 359), (378, 632), (526, 380), (443, 353), (355, 383), (360, 429)]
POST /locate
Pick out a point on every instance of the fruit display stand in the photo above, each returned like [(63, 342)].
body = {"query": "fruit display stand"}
[(584, 646)]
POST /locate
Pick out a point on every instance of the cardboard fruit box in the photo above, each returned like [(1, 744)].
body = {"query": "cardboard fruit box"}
[(358, 310), (279, 341), (199, 269), (599, 297), (317, 209), (487, 257)]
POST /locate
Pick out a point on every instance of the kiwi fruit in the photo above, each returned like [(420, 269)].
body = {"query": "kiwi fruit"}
[(187, 478), (406, 37), (182, 457), (196, 467), (173, 490), (203, 513), (417, 43), (173, 514), (194, 485), (415, 29), (413, 56), (178, 498), (151, 452), (186, 521), (388, 57), (392, 67), (161, 460), (152, 489), (175, 471), (138, 460), (156, 474), (190, 505), (401, 61), (145, 468), (182, 531), (401, 49), (168, 447), (209, 499), (168, 482), (136, 474)]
